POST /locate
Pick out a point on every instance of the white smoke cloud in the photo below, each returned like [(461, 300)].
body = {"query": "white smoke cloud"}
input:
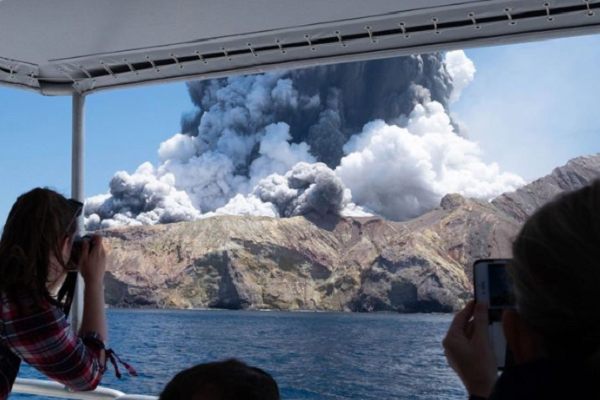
[(402, 172), (246, 206), (211, 179), (179, 147), (277, 155), (461, 69), (284, 93)]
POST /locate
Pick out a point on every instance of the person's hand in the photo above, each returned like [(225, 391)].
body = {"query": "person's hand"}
[(469, 352), (93, 264)]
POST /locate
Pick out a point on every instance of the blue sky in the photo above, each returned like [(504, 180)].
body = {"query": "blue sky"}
[(531, 108), (534, 106)]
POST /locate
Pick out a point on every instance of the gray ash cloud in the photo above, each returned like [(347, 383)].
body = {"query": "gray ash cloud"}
[(334, 102)]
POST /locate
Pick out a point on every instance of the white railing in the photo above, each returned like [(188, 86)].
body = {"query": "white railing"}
[(55, 389)]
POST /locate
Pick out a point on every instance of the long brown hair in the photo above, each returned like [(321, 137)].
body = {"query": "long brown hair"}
[(556, 271), (37, 224)]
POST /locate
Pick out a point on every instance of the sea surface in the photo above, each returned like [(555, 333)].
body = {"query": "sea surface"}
[(311, 355)]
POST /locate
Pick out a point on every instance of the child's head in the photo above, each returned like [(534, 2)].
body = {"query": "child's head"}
[(224, 380)]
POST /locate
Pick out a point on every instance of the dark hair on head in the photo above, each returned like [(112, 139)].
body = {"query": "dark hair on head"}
[(37, 224), (556, 272), (224, 380)]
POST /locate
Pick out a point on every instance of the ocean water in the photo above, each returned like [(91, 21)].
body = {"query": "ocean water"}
[(311, 355)]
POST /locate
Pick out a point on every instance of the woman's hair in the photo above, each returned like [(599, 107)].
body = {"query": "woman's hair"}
[(36, 226), (224, 380), (556, 272)]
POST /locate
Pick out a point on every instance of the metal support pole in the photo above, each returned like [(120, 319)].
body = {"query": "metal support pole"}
[(77, 192)]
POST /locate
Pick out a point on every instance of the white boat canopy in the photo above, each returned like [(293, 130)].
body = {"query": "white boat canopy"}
[(62, 47)]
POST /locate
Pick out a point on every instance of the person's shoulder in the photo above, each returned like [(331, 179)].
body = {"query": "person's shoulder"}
[(25, 302), (546, 379)]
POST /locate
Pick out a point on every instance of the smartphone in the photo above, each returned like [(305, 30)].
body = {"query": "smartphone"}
[(494, 287)]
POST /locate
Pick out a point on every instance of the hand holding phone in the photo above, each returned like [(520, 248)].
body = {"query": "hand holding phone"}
[(468, 350), (475, 345), (494, 288)]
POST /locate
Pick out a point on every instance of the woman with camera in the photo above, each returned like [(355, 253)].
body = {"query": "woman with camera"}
[(35, 249), (554, 332)]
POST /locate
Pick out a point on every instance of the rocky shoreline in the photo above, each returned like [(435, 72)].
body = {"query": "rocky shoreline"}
[(325, 263)]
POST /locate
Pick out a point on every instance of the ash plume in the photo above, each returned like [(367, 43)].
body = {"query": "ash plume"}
[(304, 189), (139, 199), (324, 106), (292, 142)]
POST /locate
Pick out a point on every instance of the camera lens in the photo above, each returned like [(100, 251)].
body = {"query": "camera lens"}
[(78, 248)]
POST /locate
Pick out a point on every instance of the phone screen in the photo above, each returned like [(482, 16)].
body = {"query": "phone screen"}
[(500, 287), (494, 287)]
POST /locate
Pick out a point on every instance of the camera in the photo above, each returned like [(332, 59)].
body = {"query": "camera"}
[(67, 290), (78, 248)]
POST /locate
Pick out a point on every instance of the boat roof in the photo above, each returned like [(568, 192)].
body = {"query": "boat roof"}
[(60, 47)]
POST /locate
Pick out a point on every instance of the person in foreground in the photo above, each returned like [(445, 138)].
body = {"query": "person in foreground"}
[(225, 380), (554, 333), (35, 248)]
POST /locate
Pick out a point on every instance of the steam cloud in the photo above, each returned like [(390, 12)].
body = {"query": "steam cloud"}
[(424, 158), (351, 139)]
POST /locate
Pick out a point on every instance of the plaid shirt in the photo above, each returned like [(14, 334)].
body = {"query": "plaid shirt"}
[(37, 331)]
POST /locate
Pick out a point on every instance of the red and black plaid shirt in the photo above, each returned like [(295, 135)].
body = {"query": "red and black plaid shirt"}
[(37, 331)]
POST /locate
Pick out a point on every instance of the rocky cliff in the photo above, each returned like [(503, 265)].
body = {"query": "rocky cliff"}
[(575, 174), (325, 262)]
